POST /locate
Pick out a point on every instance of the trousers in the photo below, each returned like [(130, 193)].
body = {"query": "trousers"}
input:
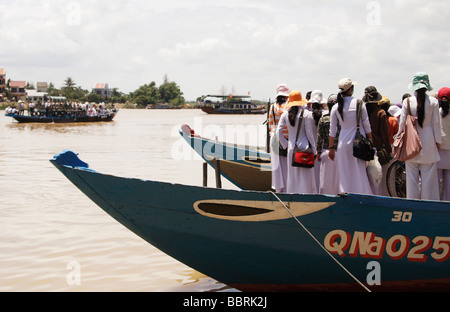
[(429, 182), (444, 175)]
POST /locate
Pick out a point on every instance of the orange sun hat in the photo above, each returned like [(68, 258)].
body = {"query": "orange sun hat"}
[(296, 99)]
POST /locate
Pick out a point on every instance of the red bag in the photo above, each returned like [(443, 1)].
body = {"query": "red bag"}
[(407, 145), (302, 157)]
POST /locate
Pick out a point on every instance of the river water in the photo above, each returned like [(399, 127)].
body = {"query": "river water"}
[(53, 238)]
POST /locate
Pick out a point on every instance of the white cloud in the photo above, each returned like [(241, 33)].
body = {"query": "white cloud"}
[(248, 45)]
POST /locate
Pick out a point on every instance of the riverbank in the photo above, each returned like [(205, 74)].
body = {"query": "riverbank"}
[(191, 105)]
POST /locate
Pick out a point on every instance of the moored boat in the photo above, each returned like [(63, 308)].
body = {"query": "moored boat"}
[(248, 169), (262, 241), (224, 104)]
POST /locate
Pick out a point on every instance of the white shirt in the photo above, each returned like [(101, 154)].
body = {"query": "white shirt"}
[(430, 134)]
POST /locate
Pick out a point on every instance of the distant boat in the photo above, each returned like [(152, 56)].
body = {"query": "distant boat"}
[(231, 104), (262, 241), (62, 117)]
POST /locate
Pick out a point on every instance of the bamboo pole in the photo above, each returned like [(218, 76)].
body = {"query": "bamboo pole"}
[(218, 179)]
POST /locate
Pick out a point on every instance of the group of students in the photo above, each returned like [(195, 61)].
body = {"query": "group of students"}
[(329, 128), (50, 108), (90, 109)]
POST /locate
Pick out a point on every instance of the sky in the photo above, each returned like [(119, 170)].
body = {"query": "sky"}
[(242, 46)]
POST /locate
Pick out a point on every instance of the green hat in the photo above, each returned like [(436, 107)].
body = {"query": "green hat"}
[(420, 81)]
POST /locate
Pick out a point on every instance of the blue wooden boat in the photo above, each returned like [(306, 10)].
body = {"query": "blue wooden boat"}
[(262, 241), (62, 118), (248, 169)]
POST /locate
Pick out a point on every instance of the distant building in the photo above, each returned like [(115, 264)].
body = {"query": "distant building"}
[(42, 87), (2, 83), (102, 89), (40, 94), (18, 90)]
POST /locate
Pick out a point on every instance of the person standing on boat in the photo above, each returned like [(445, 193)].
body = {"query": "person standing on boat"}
[(47, 108), (444, 152), (392, 113), (278, 160), (316, 99), (352, 171), (328, 180), (428, 126), (299, 180), (380, 134), (31, 107), (21, 107)]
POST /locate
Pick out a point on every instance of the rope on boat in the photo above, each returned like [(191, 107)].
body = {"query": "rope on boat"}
[(321, 246)]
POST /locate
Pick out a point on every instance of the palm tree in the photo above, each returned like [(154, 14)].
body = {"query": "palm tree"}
[(69, 82)]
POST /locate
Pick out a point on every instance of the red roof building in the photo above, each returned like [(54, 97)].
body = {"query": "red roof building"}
[(102, 89), (18, 89)]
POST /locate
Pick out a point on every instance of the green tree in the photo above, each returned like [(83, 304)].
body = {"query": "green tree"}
[(93, 97), (145, 95), (170, 93), (69, 83), (117, 96), (52, 91), (74, 94)]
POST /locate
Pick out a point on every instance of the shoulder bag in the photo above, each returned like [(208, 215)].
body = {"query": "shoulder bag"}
[(407, 144), (303, 158), (362, 147), (384, 156)]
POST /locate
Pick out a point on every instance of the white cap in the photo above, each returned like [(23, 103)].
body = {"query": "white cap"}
[(394, 111), (345, 84)]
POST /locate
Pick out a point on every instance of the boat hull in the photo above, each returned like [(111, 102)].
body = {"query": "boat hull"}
[(61, 119), (245, 168), (224, 111), (250, 241)]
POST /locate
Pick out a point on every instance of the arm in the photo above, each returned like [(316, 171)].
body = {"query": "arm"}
[(320, 138), (309, 119), (401, 125), (385, 136), (366, 122), (436, 124), (279, 131), (331, 151), (271, 119), (333, 132)]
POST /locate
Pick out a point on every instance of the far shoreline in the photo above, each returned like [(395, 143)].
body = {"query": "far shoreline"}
[(4, 105)]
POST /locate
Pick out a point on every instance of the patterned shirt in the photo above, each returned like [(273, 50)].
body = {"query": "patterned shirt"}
[(276, 111), (323, 134)]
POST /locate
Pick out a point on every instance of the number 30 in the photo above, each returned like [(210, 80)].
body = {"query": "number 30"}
[(400, 216)]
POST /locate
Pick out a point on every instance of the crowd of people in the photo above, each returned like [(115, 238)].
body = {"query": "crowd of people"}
[(55, 108), (328, 128)]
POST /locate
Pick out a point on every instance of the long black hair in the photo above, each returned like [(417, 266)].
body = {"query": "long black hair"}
[(317, 112), (340, 101), (331, 103), (281, 99), (444, 104), (421, 98), (293, 111)]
